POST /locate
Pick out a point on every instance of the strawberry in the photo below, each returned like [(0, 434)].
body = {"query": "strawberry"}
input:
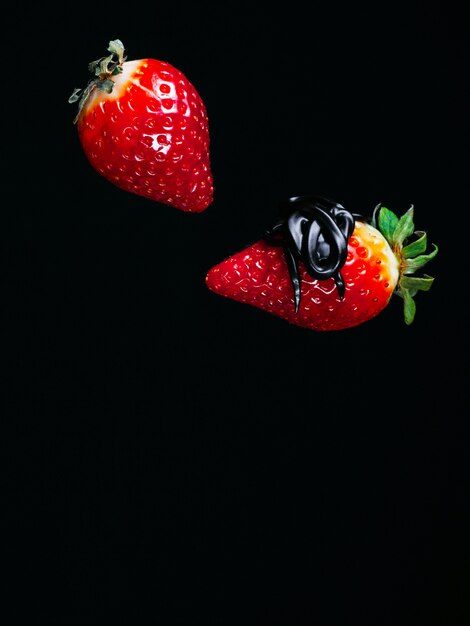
[(325, 269), (144, 127)]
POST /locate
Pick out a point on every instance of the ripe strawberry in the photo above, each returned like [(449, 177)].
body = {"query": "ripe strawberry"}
[(144, 127), (324, 268)]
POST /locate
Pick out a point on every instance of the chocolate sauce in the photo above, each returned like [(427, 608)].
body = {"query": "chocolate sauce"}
[(314, 230)]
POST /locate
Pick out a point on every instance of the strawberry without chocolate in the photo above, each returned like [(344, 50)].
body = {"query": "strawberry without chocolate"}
[(144, 127), (323, 268)]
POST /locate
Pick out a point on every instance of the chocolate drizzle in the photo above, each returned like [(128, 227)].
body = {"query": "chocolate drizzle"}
[(314, 230)]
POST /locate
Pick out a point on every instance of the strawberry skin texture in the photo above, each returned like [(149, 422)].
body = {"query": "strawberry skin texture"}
[(150, 135), (259, 276)]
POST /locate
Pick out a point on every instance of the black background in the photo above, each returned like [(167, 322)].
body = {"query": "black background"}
[(171, 456)]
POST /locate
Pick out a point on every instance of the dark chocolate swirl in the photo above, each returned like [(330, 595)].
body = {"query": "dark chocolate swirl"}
[(314, 230)]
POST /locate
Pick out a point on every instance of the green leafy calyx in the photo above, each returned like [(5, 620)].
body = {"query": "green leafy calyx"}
[(102, 69), (409, 246)]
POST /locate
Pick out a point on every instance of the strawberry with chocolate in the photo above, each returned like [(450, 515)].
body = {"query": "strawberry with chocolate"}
[(324, 268)]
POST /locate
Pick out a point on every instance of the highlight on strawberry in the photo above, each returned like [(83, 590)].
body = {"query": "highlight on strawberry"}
[(144, 127), (324, 268)]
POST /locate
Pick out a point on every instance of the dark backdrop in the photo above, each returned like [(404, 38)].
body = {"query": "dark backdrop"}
[(172, 456)]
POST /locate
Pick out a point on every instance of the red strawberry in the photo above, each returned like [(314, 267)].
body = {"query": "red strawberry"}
[(144, 127), (324, 268)]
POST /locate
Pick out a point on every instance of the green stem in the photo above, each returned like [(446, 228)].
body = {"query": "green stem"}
[(103, 70)]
